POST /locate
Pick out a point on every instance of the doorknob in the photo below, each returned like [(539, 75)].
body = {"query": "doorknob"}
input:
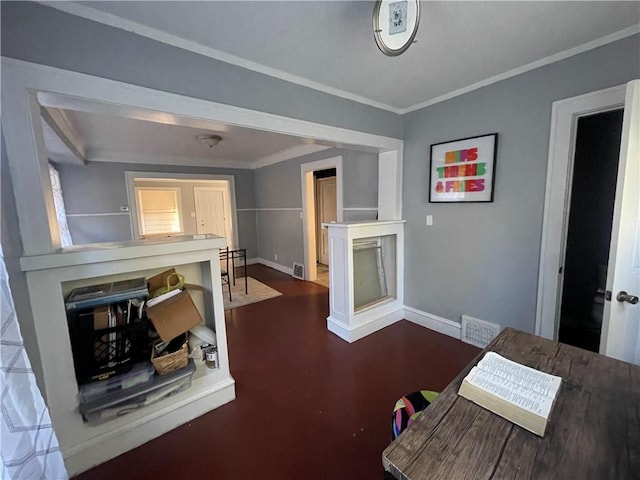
[(625, 297)]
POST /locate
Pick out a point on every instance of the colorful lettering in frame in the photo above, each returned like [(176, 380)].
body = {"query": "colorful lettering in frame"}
[(463, 170)]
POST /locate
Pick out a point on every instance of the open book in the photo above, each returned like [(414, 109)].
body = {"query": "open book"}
[(521, 394)]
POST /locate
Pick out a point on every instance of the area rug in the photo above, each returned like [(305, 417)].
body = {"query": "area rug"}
[(258, 292)]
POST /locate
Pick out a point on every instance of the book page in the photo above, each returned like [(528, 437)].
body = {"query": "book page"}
[(535, 380), (511, 392)]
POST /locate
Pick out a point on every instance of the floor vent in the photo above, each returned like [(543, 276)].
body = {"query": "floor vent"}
[(298, 271), (478, 332)]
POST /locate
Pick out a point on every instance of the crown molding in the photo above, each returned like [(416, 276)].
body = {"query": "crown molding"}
[(585, 47), (176, 41), (173, 40)]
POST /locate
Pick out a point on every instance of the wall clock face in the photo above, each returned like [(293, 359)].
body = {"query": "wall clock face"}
[(395, 24)]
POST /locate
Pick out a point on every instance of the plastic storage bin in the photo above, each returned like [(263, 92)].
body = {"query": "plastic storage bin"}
[(140, 373), (121, 402)]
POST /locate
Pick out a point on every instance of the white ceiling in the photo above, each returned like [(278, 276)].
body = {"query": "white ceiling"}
[(113, 139), (329, 45), (115, 133)]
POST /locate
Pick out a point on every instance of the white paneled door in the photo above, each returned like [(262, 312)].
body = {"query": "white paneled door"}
[(621, 326), (327, 211), (213, 212)]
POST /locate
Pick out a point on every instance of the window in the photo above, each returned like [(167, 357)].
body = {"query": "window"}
[(159, 210)]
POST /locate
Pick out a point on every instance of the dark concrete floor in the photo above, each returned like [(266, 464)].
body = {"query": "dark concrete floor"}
[(308, 406)]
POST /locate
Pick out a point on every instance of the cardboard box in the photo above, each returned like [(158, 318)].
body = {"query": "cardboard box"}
[(168, 278), (174, 316)]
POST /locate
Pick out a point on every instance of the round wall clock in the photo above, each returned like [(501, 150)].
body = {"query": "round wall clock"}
[(395, 24)]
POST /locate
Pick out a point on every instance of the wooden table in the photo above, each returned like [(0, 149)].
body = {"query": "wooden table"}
[(593, 430)]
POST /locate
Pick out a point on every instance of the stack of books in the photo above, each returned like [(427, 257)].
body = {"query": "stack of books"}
[(522, 395)]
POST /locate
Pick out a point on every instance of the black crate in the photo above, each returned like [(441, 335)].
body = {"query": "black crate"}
[(100, 354)]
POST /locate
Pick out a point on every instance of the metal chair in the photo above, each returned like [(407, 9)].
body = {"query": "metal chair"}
[(224, 272)]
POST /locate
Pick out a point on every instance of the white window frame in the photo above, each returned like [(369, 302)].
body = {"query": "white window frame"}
[(140, 212)]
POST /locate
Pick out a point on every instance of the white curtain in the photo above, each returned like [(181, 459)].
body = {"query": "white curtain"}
[(28, 444), (58, 201)]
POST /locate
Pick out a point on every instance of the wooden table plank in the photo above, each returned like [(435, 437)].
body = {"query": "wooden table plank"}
[(593, 431)]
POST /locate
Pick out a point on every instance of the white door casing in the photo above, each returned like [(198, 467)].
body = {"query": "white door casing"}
[(621, 321), (185, 179), (327, 211), (308, 208), (564, 120), (213, 212)]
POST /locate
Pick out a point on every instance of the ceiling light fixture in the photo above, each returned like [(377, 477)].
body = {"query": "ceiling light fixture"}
[(395, 24), (210, 140)]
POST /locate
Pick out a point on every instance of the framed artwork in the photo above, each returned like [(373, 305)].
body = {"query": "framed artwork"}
[(463, 170)]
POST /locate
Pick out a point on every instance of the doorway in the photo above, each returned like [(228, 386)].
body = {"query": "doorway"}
[(213, 210), (313, 175), (588, 238), (203, 203), (326, 211)]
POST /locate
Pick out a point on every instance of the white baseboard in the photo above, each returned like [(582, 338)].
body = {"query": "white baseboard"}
[(367, 324), (433, 322), (252, 261), (275, 266)]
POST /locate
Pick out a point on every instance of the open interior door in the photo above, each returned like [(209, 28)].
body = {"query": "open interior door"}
[(621, 323)]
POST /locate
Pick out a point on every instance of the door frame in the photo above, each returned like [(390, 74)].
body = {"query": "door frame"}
[(318, 207), (564, 119), (309, 208), (130, 176)]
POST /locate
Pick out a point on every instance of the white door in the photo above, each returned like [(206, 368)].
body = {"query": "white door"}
[(327, 211), (621, 322), (212, 211)]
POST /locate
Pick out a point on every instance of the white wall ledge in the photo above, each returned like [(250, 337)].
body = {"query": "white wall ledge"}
[(106, 252)]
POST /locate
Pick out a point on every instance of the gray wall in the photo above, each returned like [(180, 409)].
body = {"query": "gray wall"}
[(40, 34), (12, 251), (100, 188), (482, 259), (279, 200)]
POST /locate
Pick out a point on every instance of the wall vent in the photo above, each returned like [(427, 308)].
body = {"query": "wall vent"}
[(298, 271), (478, 332)]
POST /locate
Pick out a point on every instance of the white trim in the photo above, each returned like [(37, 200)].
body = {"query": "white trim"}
[(275, 266), (97, 214), (288, 154), (390, 177), (383, 318), (169, 39), (360, 209), (564, 117), (65, 82), (585, 47), (275, 209), (308, 208), (433, 322), (145, 159), (59, 122), (38, 228), (131, 175)]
